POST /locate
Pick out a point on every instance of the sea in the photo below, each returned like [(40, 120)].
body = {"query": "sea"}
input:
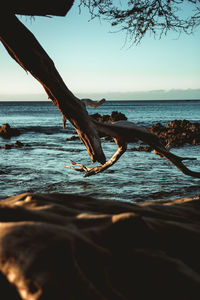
[(38, 166)]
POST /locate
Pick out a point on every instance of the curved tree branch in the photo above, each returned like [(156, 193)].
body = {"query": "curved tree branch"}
[(122, 146), (124, 132)]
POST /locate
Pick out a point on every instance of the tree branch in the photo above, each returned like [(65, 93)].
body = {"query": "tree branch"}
[(28, 53), (122, 146), (124, 132), (93, 103)]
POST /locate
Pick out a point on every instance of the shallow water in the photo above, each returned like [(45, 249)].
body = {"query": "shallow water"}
[(138, 176)]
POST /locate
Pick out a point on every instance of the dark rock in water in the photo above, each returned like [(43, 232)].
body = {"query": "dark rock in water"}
[(62, 246), (141, 148), (18, 144), (115, 116), (178, 133), (100, 118), (7, 146), (7, 132), (72, 138)]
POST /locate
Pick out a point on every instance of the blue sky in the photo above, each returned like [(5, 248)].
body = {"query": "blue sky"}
[(93, 62)]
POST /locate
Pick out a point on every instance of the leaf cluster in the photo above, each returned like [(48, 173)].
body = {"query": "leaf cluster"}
[(137, 18)]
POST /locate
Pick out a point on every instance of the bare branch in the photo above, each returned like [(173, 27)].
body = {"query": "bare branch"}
[(122, 146), (93, 103), (124, 132), (85, 102)]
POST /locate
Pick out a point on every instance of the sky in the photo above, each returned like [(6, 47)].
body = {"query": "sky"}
[(95, 63)]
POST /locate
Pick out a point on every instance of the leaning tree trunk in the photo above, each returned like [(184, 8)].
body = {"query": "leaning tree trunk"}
[(26, 50)]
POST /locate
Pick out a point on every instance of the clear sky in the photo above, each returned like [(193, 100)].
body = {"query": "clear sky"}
[(93, 62)]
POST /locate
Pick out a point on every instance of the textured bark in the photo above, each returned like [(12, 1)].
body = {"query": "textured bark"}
[(25, 49), (71, 247), (37, 7)]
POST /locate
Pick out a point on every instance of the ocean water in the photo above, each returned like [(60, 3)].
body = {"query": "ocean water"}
[(137, 176)]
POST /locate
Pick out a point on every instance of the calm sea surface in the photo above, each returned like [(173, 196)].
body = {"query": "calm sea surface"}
[(138, 176)]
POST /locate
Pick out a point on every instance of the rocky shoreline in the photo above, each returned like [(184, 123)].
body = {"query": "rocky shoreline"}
[(176, 133), (66, 246)]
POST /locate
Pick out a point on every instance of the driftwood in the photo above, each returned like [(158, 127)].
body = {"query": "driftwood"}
[(95, 170), (71, 247), (28, 53), (124, 132)]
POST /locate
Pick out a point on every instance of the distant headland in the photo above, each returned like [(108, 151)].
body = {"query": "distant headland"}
[(172, 94)]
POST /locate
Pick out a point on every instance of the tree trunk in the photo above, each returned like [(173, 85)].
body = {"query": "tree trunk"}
[(37, 7), (26, 50)]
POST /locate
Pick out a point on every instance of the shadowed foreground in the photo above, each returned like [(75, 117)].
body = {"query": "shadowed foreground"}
[(60, 246)]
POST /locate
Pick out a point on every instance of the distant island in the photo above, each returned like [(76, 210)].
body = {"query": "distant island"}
[(173, 94)]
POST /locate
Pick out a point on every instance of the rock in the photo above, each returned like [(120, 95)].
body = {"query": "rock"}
[(100, 118), (72, 138), (7, 132), (7, 146), (178, 133), (157, 128), (18, 144), (115, 116), (141, 148), (65, 246)]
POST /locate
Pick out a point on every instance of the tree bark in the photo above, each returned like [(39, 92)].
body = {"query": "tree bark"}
[(37, 7), (26, 50)]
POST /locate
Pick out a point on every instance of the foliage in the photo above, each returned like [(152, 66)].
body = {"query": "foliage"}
[(137, 18)]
